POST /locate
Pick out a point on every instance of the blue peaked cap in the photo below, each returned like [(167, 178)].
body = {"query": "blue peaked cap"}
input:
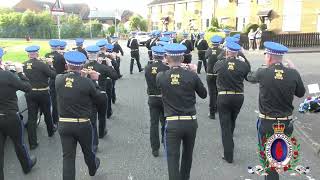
[(232, 46), (158, 50), (109, 47), (101, 43), (75, 58), (54, 42), (33, 48), (79, 41), (63, 44), (216, 39), (93, 49), (1, 52), (275, 48), (165, 39), (175, 49)]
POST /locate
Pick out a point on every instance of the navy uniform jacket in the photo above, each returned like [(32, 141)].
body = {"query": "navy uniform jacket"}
[(59, 62), (76, 95), (222, 56), (117, 48), (151, 72), (38, 73), (202, 46), (80, 49), (106, 72), (231, 73), (278, 86), (212, 56), (151, 42), (10, 84), (133, 44), (178, 87), (188, 44)]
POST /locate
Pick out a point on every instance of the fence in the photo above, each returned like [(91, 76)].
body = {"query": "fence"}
[(298, 40)]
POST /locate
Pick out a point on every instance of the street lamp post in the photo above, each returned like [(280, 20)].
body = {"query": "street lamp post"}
[(90, 16)]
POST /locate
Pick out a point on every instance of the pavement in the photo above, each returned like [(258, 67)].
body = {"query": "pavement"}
[(126, 154)]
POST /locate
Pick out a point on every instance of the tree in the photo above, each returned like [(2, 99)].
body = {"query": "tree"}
[(111, 30), (137, 22)]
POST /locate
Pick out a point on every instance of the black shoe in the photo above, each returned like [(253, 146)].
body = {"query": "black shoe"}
[(120, 76), (113, 100), (102, 135), (92, 173), (155, 153), (109, 115), (141, 70), (228, 160), (33, 160), (55, 128), (34, 146), (212, 116), (131, 73)]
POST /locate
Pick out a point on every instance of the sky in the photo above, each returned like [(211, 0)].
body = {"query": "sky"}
[(138, 6)]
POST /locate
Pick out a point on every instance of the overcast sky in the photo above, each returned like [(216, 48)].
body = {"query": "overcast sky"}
[(139, 6)]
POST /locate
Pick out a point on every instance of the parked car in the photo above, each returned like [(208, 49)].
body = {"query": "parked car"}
[(142, 37)]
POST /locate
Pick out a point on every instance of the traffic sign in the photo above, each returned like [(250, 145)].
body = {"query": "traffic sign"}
[(57, 8)]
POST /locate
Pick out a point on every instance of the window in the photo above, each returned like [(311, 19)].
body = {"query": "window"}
[(292, 15), (155, 13), (207, 22), (191, 7), (178, 13), (224, 20), (241, 23), (155, 26), (179, 25), (262, 2), (223, 3)]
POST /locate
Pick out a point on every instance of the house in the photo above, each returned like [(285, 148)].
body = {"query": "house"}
[(176, 15), (281, 16), (81, 9)]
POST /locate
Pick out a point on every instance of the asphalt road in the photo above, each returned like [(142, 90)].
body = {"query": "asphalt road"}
[(125, 153)]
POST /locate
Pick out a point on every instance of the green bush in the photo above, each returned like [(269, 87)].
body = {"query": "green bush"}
[(263, 27), (215, 22), (235, 32), (213, 29), (250, 26), (209, 35), (42, 25)]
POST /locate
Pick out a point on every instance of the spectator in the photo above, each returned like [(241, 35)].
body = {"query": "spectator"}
[(258, 35), (251, 36)]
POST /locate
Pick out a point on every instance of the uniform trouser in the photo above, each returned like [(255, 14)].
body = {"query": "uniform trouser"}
[(264, 127), (150, 54), (70, 134), (102, 111), (11, 125), (93, 120), (109, 94), (118, 69), (175, 132), (213, 93), (53, 96), (202, 59), (187, 58), (228, 107), (135, 56), (38, 100), (113, 95), (156, 116)]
